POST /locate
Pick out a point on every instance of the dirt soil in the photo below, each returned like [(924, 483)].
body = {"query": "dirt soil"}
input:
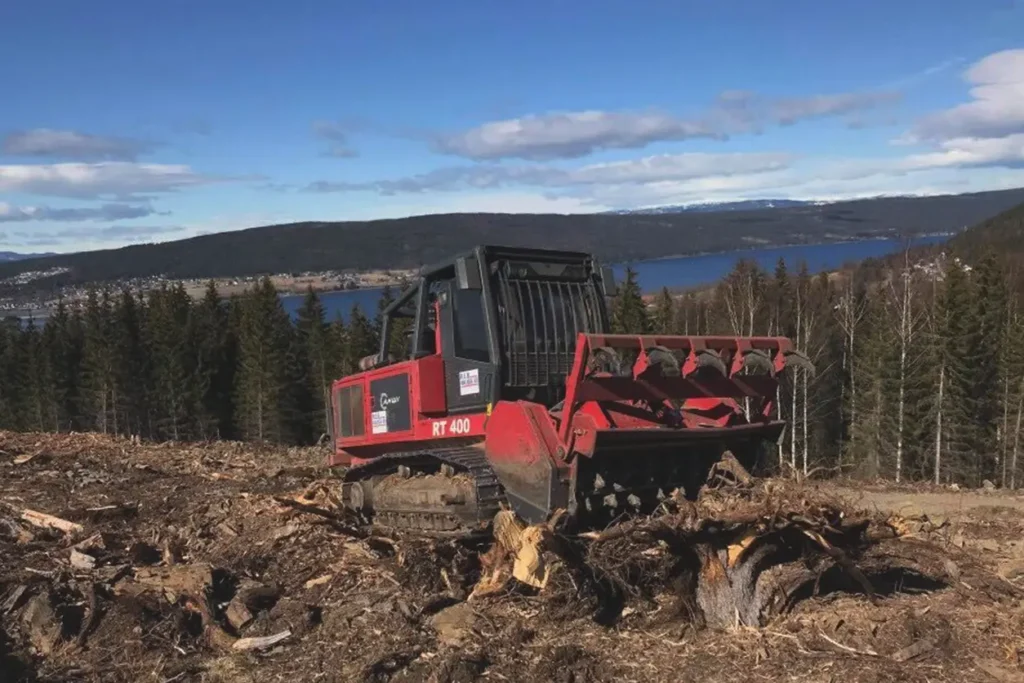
[(226, 562)]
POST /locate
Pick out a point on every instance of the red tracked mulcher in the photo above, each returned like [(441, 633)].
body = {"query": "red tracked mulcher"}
[(513, 393)]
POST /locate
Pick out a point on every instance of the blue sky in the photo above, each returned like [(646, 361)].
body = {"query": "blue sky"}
[(126, 122)]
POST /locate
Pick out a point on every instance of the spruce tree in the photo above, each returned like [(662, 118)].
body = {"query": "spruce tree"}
[(960, 321), (1013, 369), (62, 339), (360, 338), (97, 405), (780, 297), (209, 336), (397, 346), (629, 311), (263, 373), (168, 342), (870, 430), (34, 380), (10, 394), (338, 334), (319, 363), (986, 391), (664, 317), (133, 363)]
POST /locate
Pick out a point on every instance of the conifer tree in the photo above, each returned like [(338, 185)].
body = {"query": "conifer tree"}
[(905, 316), (629, 311), (213, 364), (869, 432), (131, 369), (664, 317), (10, 395), (320, 362), (780, 294), (360, 338), (1014, 371), (168, 339), (959, 315), (263, 373), (397, 338), (986, 356), (338, 334), (97, 404), (34, 379)]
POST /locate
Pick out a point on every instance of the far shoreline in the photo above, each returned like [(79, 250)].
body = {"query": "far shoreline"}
[(294, 287)]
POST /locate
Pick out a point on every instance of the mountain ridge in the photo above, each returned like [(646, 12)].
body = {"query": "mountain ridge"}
[(11, 256), (322, 246)]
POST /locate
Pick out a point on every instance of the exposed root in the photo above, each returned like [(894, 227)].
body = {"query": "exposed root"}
[(736, 557)]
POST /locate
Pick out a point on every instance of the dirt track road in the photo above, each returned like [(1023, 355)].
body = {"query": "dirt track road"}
[(949, 504)]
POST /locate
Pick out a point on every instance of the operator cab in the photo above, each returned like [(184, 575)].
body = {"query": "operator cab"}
[(504, 320)]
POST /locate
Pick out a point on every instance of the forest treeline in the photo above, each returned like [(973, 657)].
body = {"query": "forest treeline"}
[(163, 366), (919, 365)]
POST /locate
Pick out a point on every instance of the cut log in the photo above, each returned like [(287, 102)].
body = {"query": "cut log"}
[(261, 643), (41, 519)]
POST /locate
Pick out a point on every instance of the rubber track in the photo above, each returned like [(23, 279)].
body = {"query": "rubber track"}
[(464, 459)]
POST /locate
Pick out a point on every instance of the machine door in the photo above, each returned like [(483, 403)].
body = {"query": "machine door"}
[(470, 375)]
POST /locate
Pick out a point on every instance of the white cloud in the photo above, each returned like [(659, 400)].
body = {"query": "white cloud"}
[(337, 135), (46, 142), (92, 238), (569, 135), (668, 167), (114, 179), (996, 108), (967, 152), (565, 135), (651, 169), (487, 202), (10, 213)]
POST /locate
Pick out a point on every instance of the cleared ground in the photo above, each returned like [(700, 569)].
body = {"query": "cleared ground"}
[(231, 563)]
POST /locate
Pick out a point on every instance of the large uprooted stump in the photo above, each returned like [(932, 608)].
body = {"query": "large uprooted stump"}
[(736, 556)]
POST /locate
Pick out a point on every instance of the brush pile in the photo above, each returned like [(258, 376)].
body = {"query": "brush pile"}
[(735, 557)]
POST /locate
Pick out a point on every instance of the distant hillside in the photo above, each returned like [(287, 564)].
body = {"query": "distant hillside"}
[(1003, 233), (410, 242), (8, 256), (705, 207)]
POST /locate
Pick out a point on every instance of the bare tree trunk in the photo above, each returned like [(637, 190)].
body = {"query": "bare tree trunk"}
[(796, 374), (849, 316), (1016, 436), (804, 426), (938, 427), (782, 437), (1004, 432), (842, 412), (906, 337)]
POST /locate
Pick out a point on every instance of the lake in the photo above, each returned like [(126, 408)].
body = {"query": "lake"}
[(685, 271)]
